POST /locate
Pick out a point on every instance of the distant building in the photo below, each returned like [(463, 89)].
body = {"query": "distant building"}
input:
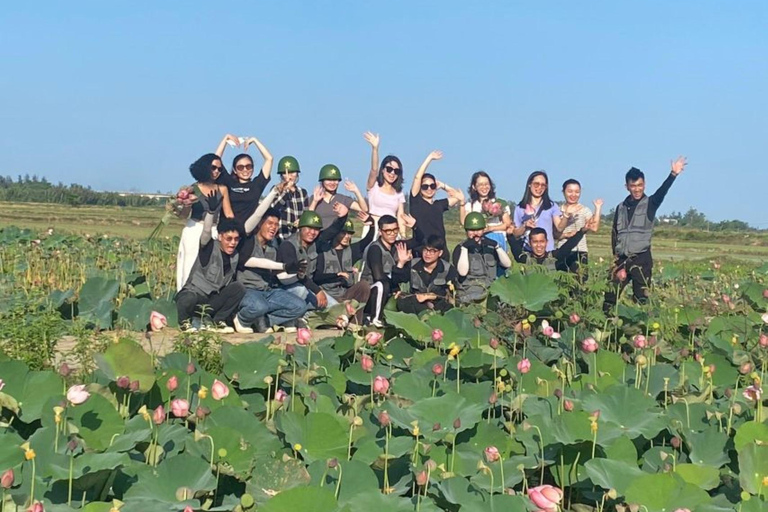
[(668, 220)]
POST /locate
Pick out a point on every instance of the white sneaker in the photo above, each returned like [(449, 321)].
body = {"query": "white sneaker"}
[(222, 328), (242, 329)]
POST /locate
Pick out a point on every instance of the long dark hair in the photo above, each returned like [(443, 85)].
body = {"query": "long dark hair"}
[(398, 183), (546, 202), (473, 194), (201, 168), (238, 157)]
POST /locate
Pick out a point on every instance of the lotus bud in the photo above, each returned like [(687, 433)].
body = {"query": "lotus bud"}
[(383, 418), (457, 423), (180, 408), (421, 478), (366, 363), (437, 369), (493, 398), (202, 412), (437, 335), (684, 353), (728, 392), (589, 345), (123, 382), (436, 427), (574, 318), (641, 361), (558, 393), (373, 338), (77, 394), (492, 454), (191, 368), (494, 343), (640, 342), (675, 442), (37, 507), (568, 405), (290, 349), (546, 497), (157, 321), (524, 366), (431, 465), (172, 383), (280, 396), (764, 340), (219, 390), (6, 480), (158, 416), (745, 368), (380, 385), (64, 370), (72, 445), (303, 336)]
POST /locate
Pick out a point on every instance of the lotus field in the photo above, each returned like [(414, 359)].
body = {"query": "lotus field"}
[(537, 401)]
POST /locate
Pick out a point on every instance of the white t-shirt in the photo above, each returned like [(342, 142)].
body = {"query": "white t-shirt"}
[(381, 203), (579, 219)]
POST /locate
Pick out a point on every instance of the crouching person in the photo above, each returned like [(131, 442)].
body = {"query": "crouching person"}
[(432, 280), (265, 303), (539, 255), (385, 266), (335, 272), (210, 289), (477, 259)]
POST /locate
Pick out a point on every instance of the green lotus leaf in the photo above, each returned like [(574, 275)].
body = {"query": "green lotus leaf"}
[(612, 474), (249, 363), (415, 385), (321, 435), (688, 417), (401, 351), (373, 499), (95, 301), (753, 467), (161, 483), (134, 313), (305, 499), (239, 452), (665, 492), (750, 432), (412, 325), (655, 382), (127, 358), (370, 450), (127, 441), (620, 449), (10, 453), (629, 409), (707, 447), (88, 463), (444, 410), (97, 421), (249, 428), (500, 502), (14, 375), (532, 291), (39, 388), (540, 379), (356, 478), (453, 332), (569, 470), (706, 477), (272, 475)]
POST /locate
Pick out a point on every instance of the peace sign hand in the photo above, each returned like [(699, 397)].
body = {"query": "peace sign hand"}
[(678, 165)]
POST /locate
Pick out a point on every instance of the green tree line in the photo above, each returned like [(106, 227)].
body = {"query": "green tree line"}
[(39, 190)]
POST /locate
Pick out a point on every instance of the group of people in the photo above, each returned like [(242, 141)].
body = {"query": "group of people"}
[(250, 263)]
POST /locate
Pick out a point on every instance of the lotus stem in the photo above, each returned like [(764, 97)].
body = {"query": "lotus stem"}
[(293, 384), (386, 458), (71, 471), (541, 447), (338, 482), (309, 361), (501, 467)]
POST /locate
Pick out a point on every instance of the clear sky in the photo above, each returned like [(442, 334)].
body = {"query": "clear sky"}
[(125, 95)]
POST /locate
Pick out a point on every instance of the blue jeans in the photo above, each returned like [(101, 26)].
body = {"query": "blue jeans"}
[(280, 306), (301, 291)]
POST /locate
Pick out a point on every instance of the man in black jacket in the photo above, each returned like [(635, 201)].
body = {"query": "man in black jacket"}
[(631, 235), (433, 280)]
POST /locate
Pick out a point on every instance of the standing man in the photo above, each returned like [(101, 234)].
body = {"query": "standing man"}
[(427, 210), (631, 235), (326, 195), (292, 200), (476, 260), (432, 280)]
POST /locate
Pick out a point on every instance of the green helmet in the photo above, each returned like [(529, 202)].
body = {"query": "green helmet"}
[(310, 219), (349, 227), (474, 220), (329, 172), (288, 164)]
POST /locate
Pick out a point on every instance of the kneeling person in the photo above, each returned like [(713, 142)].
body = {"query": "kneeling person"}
[(476, 260), (258, 271), (210, 289), (539, 255), (431, 280)]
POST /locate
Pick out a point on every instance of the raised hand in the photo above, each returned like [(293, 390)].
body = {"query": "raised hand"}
[(404, 254), (213, 201), (598, 203), (232, 140), (340, 210), (372, 138), (350, 185), (409, 220), (365, 217), (318, 193), (678, 166)]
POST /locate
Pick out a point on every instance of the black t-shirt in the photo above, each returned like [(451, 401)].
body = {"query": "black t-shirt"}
[(429, 218), (244, 197)]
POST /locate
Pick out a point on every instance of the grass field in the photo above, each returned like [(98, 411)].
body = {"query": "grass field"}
[(669, 243)]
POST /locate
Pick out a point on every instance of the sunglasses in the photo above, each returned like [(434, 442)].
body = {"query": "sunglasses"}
[(390, 169), (231, 239), (538, 184), (216, 168), (428, 186), (244, 167)]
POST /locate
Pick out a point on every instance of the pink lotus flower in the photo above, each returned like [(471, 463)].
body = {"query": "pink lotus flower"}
[(373, 338), (765, 293), (421, 478), (763, 343), (219, 390), (172, 384), (589, 345), (437, 335), (529, 210), (384, 419), (380, 385), (621, 274), (546, 497), (180, 408), (745, 368), (568, 405), (280, 396), (753, 393), (574, 318), (158, 415), (548, 330), (366, 363), (437, 369), (6, 481), (640, 341), (183, 194), (492, 454), (524, 366), (726, 298), (303, 336), (37, 507), (157, 321), (494, 343), (77, 394)]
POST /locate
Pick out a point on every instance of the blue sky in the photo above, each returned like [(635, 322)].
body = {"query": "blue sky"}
[(125, 95)]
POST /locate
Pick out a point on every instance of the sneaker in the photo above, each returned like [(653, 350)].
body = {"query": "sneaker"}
[(262, 325), (242, 329), (302, 323), (377, 323), (221, 328), (186, 326)]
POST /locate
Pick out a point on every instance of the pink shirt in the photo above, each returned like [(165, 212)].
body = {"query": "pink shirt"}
[(380, 203)]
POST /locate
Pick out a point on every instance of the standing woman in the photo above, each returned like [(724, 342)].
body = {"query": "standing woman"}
[(385, 187), (537, 210), (205, 170), (578, 216), (245, 192), (291, 200), (482, 195)]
